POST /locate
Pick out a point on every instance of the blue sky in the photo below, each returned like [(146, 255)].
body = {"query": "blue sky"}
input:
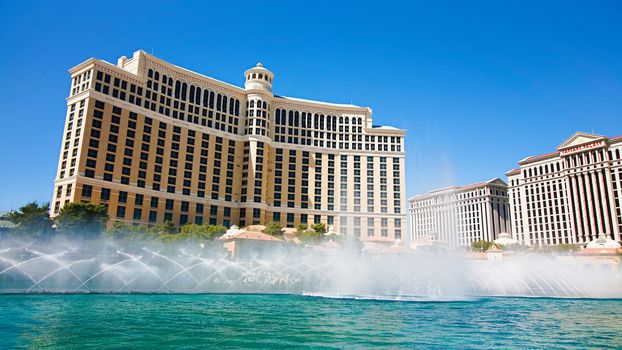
[(478, 85)]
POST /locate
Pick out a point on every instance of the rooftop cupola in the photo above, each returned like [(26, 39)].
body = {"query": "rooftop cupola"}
[(258, 77)]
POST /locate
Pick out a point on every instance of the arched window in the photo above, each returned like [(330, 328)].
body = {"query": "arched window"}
[(254, 75), (291, 118), (164, 79), (197, 99), (191, 93), (224, 103), (265, 105), (177, 89), (252, 104), (184, 89), (205, 97), (296, 118), (340, 120), (618, 153), (211, 99), (260, 76), (150, 73), (231, 105), (237, 108), (277, 117), (347, 120), (170, 81), (303, 120), (218, 102)]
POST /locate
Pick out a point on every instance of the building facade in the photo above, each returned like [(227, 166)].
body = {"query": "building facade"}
[(570, 196), (460, 215), (157, 142)]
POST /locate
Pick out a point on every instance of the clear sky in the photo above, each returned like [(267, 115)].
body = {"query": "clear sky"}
[(478, 85)]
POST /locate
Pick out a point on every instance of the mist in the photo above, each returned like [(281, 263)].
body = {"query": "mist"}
[(61, 265)]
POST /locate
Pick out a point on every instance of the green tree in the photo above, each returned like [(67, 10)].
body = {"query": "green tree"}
[(301, 228), (308, 235), (319, 228), (193, 232), (165, 228), (273, 229), (564, 248), (123, 230), (82, 219), (202, 232), (33, 220), (481, 245)]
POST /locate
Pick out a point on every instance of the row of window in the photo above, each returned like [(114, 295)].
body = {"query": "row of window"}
[(197, 105)]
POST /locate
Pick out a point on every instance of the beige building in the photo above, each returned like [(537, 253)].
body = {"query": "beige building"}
[(459, 215), (157, 142), (570, 196)]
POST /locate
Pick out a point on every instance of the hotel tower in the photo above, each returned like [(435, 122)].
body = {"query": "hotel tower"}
[(457, 216), (156, 142), (569, 196)]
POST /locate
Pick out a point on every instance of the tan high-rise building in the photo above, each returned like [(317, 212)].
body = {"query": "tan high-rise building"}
[(157, 142), (460, 215), (570, 196)]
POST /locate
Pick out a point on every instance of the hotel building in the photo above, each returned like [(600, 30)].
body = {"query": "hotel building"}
[(570, 196), (157, 142), (458, 216)]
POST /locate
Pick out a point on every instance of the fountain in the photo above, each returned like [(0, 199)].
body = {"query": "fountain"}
[(112, 266)]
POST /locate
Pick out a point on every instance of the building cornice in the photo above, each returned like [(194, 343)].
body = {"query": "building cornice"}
[(218, 86), (204, 129)]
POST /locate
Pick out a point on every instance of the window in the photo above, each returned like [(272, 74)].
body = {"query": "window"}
[(137, 213), (105, 194), (169, 204), (121, 212), (122, 197), (87, 191), (153, 216)]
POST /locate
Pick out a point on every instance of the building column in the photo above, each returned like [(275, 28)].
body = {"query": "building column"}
[(603, 205), (581, 195), (489, 219), (567, 183), (597, 205), (613, 205), (589, 189)]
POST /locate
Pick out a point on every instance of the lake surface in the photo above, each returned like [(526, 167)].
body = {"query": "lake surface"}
[(262, 321)]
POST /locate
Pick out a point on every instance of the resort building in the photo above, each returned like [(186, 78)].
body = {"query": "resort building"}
[(156, 142), (570, 196), (457, 216), (5, 224)]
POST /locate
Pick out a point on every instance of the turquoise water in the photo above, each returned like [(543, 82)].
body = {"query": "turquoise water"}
[(216, 321)]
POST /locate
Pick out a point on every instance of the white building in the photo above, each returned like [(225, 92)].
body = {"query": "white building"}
[(572, 195), (458, 216)]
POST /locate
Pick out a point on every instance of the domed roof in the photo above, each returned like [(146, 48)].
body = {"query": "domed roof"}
[(603, 241), (258, 68), (505, 239)]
